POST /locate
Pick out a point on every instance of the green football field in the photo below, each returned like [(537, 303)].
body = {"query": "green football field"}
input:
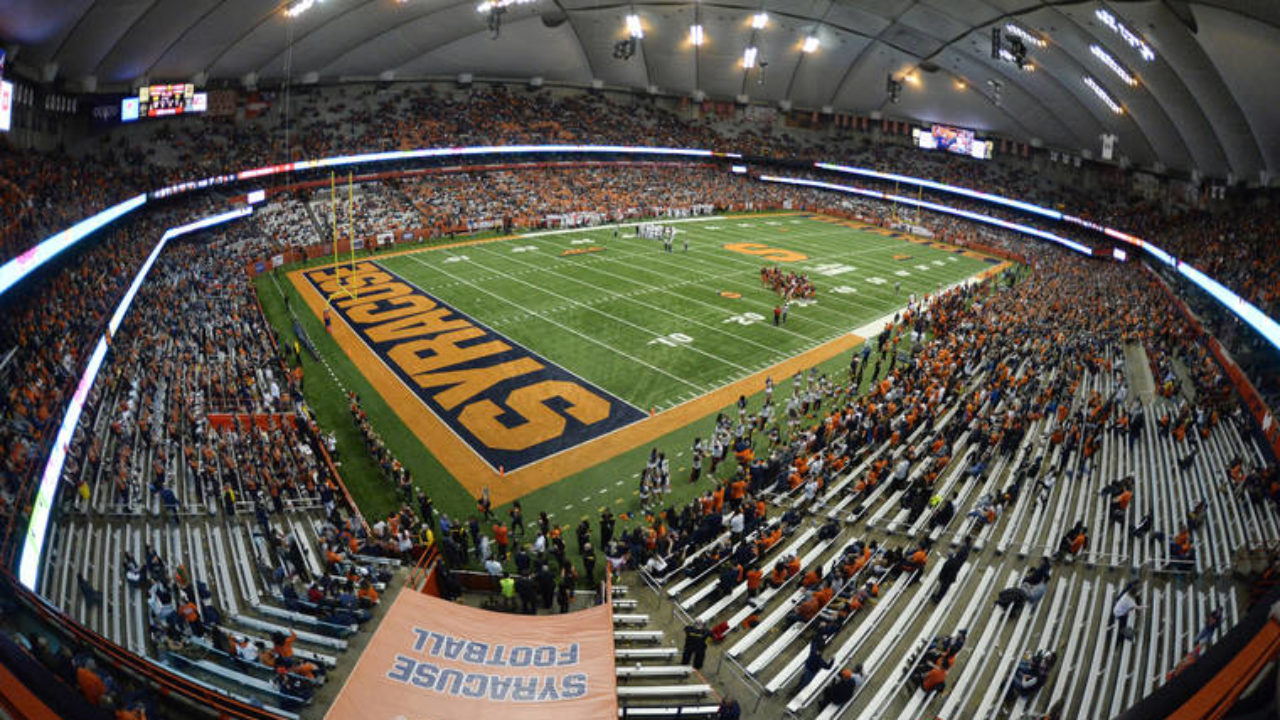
[(648, 326), (653, 327)]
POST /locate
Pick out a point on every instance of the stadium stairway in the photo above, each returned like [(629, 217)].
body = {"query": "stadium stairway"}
[(1098, 672), (232, 568)]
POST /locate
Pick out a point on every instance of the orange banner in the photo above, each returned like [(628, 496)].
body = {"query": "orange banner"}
[(435, 660)]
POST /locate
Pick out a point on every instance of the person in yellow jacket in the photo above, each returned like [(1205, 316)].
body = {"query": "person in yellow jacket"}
[(508, 587)]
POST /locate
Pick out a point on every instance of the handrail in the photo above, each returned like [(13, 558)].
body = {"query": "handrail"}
[(423, 568), (206, 698)]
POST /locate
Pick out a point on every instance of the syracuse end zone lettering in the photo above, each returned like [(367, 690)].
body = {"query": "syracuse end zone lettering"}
[(511, 406)]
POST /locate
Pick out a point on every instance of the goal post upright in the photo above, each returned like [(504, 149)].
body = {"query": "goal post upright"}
[(337, 258), (352, 289)]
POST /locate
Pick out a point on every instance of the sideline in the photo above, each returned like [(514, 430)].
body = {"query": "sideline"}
[(473, 473)]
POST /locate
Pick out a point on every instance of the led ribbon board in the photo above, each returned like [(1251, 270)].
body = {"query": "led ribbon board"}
[(943, 187), (1243, 309), (936, 207), (33, 546), (425, 153), (12, 272)]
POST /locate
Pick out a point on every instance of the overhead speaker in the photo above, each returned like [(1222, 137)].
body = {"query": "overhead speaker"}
[(554, 18)]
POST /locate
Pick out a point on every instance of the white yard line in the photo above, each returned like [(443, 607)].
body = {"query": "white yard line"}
[(686, 318), (718, 259), (588, 338), (621, 321), (611, 226)]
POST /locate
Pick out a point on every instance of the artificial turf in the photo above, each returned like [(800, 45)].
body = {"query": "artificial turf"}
[(654, 328)]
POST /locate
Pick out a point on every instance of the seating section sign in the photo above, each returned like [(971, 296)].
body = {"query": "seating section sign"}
[(435, 660)]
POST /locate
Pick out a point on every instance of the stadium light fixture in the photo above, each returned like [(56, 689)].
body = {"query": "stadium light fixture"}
[(1026, 35), (811, 44), (298, 8), (749, 57), (1134, 40), (490, 5), (759, 20), (633, 26), (1010, 57), (1114, 64), (1103, 95), (696, 35)]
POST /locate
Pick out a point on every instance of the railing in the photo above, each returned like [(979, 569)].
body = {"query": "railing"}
[(423, 569), (753, 686), (200, 699)]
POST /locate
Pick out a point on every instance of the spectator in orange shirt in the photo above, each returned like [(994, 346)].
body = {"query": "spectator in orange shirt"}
[(500, 535), (90, 682)]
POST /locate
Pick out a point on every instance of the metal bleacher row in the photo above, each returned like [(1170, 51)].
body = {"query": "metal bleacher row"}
[(651, 681), (1098, 673), (236, 512)]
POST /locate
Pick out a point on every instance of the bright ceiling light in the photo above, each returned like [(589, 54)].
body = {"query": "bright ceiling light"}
[(633, 26), (299, 7), (1010, 58), (488, 5), (1103, 95), (1135, 41), (1026, 35), (811, 44), (749, 57), (695, 35), (759, 20), (1112, 63)]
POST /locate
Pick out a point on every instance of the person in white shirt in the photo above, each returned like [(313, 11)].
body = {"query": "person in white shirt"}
[(900, 470), (736, 523), (656, 566), (1124, 607), (811, 488), (245, 649)]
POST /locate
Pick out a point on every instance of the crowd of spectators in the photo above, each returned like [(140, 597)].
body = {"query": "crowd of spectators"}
[(51, 190), (194, 344), (98, 171), (47, 329), (92, 688)]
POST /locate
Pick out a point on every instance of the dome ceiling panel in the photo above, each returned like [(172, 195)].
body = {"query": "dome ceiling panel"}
[(1201, 104)]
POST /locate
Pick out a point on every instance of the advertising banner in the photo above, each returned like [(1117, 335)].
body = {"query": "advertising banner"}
[(437, 660)]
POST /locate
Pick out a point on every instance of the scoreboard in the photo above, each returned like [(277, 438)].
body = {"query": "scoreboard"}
[(163, 100), (952, 139)]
